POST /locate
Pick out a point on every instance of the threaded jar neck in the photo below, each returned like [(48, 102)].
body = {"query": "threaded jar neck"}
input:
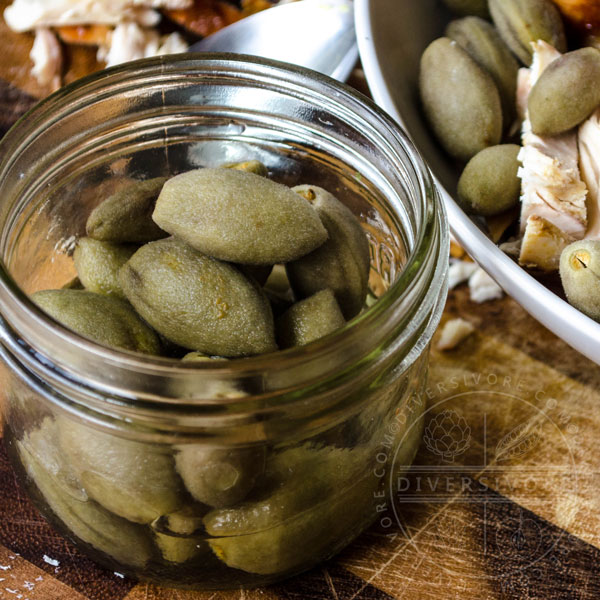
[(184, 111)]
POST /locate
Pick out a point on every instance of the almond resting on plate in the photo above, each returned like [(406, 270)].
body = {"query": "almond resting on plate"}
[(553, 195)]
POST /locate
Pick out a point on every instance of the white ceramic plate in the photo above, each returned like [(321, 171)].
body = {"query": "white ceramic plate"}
[(392, 35)]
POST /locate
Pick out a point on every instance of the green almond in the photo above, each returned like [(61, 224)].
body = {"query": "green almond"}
[(521, 22), (133, 480), (309, 320), (566, 93), (460, 99), (580, 276), (126, 216), (483, 43), (489, 183), (342, 263), (98, 264), (238, 216), (198, 302), (107, 320)]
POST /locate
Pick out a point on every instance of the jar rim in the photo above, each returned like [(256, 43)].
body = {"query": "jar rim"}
[(418, 257)]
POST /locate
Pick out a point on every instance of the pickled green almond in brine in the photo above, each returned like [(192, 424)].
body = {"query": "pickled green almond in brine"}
[(133, 480), (123, 541), (521, 22), (309, 320), (42, 443), (460, 99), (484, 44), (580, 276), (104, 319), (489, 183), (177, 549), (184, 521), (310, 497), (238, 216), (179, 534), (98, 264), (295, 479), (317, 533), (198, 302), (126, 216), (566, 93), (219, 477), (342, 263)]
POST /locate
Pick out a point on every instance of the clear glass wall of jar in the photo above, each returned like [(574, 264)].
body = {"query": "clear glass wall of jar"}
[(227, 473)]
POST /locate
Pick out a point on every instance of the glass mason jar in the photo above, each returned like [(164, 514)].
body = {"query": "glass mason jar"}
[(220, 473)]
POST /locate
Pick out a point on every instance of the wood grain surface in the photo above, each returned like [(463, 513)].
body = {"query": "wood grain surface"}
[(502, 501), (514, 514)]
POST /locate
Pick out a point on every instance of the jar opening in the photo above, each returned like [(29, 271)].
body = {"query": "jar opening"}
[(179, 112)]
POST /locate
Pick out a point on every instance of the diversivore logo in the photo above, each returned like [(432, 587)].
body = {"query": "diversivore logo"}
[(447, 435), (492, 455)]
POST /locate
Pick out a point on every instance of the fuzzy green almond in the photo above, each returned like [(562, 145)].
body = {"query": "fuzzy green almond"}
[(489, 184), (238, 216), (133, 480), (125, 542), (483, 43), (198, 302), (461, 101), (107, 320), (580, 276), (98, 264), (342, 263), (521, 22), (566, 93), (309, 320), (126, 216)]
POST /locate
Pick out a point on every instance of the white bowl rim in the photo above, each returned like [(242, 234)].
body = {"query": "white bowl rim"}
[(575, 328)]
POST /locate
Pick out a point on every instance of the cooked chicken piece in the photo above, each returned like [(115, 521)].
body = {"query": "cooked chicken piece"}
[(46, 55), (453, 333), (551, 185), (543, 55), (542, 244), (483, 288), (459, 272), (25, 15), (589, 163), (129, 42)]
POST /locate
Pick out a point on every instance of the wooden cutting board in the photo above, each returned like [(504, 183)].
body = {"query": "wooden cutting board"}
[(502, 502), (513, 512)]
